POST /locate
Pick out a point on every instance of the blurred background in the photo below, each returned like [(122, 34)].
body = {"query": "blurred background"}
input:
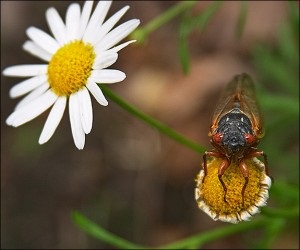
[(130, 179)]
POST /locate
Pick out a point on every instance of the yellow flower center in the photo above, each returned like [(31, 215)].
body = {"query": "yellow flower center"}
[(70, 67), (213, 192)]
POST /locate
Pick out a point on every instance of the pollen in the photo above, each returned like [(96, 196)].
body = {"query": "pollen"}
[(210, 194), (70, 68)]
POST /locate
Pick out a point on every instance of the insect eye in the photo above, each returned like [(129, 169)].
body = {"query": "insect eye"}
[(217, 138), (249, 138)]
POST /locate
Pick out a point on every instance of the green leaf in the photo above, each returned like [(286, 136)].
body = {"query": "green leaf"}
[(294, 16), (189, 24), (241, 23), (184, 56), (275, 70)]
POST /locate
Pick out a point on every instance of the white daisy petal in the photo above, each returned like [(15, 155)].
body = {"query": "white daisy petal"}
[(86, 111), (25, 70), (37, 51), (33, 95), (72, 21), (56, 25), (76, 127), (26, 86), (105, 59), (109, 24), (108, 76), (53, 119), (32, 110), (121, 46), (117, 34), (85, 16), (42, 39), (97, 93), (96, 19)]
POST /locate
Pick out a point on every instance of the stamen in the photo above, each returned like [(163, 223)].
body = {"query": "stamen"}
[(70, 67), (238, 205)]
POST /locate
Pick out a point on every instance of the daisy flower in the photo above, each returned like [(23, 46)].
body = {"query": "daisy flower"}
[(209, 192), (76, 57)]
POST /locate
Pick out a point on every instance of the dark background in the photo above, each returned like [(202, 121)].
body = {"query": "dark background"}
[(130, 179)]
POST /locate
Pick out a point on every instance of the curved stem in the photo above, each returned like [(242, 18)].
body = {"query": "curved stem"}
[(100, 233), (141, 34), (153, 122), (198, 240)]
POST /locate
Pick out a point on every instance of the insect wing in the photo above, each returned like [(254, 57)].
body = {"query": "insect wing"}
[(249, 105), (239, 93)]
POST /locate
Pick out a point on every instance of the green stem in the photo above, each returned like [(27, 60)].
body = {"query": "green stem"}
[(100, 233), (152, 122), (273, 231), (281, 213), (242, 19), (141, 34), (198, 240), (195, 241)]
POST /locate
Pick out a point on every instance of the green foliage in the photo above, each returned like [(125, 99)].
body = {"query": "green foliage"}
[(278, 68), (240, 25), (189, 24), (141, 34), (99, 233), (195, 241)]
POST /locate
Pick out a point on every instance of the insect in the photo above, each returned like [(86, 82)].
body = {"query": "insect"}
[(236, 129)]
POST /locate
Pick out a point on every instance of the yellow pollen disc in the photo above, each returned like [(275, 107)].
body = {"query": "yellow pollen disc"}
[(70, 67), (213, 192)]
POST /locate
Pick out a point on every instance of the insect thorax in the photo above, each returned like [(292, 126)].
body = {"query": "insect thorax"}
[(234, 126)]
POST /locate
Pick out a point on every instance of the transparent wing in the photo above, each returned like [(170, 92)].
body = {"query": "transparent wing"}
[(239, 93)]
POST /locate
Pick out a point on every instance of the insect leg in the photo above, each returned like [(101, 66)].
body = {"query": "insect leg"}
[(256, 153), (224, 165), (209, 153), (245, 172), (205, 164)]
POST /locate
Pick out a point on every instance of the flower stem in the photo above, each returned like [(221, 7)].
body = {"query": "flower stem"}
[(192, 242), (141, 34), (152, 122), (100, 233), (198, 240)]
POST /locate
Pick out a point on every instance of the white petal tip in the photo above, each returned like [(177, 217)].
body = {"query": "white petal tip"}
[(80, 147), (136, 22), (104, 103), (87, 130), (6, 72), (41, 142), (123, 76), (9, 121)]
